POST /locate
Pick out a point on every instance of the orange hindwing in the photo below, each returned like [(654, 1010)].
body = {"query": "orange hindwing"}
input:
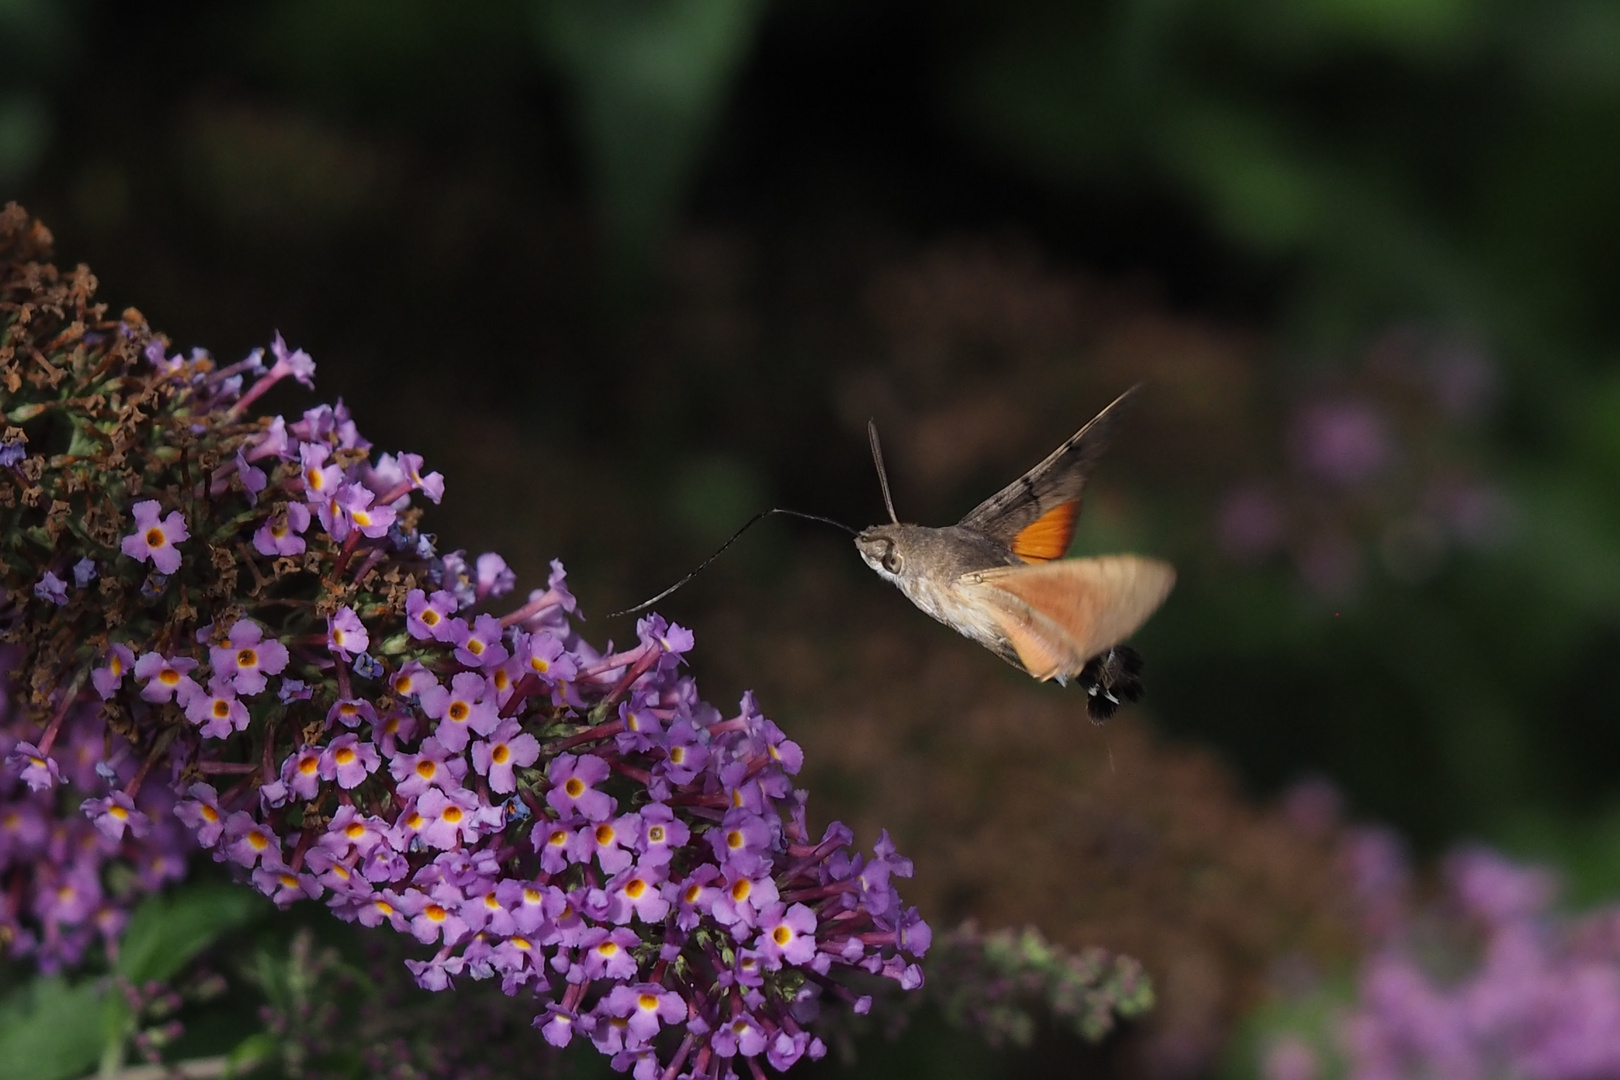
[(1047, 537)]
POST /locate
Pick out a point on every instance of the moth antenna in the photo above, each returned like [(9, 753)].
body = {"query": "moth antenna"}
[(644, 605), (883, 477)]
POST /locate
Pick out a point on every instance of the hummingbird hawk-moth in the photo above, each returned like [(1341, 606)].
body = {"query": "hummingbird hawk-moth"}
[(998, 576)]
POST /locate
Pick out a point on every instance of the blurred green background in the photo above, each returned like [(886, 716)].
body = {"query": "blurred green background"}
[(628, 271)]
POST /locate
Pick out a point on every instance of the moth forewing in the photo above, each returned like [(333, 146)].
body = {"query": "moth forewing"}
[(1058, 615), (1058, 479)]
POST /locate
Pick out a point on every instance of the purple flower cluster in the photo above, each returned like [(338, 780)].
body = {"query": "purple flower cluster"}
[(1374, 467), (257, 616), (1487, 981), (72, 864)]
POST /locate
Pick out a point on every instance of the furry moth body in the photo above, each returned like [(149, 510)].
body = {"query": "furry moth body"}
[(998, 576)]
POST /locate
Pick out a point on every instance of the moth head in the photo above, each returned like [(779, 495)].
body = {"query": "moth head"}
[(881, 549)]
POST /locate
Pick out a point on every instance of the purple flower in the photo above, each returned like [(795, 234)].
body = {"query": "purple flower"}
[(247, 657), (466, 704), (155, 539), (201, 813), (573, 791), (217, 711), (51, 589), (108, 678), (115, 813), (739, 1035), (742, 842), (508, 748), (165, 679), (661, 833), (787, 935), (606, 953), (428, 617), (648, 1006), (281, 532), (492, 576), (1344, 441), (38, 770), (434, 764), (348, 761), (479, 645), (297, 363), (346, 635), (84, 571), (12, 453)]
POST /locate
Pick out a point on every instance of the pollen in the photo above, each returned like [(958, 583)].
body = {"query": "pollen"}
[(222, 708), (402, 684), (608, 948), (521, 943), (169, 677), (502, 679), (632, 722), (436, 913), (118, 812), (782, 935), (258, 840), (385, 907), (247, 658), (575, 787), (740, 889), (288, 881), (155, 538), (540, 664), (345, 756), (427, 768), (692, 893), (415, 821), (558, 838), (501, 754), (490, 901), (452, 814), (647, 1002), (605, 834), (531, 896), (655, 834), (459, 712), (634, 888), (209, 814), (354, 830), (735, 839), (308, 764)]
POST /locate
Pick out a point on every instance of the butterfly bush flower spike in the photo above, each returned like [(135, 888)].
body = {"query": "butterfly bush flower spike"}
[(240, 620)]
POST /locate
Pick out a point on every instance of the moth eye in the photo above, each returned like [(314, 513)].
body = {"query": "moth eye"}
[(892, 561)]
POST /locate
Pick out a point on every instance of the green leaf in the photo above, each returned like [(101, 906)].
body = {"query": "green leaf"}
[(50, 1030), (168, 930)]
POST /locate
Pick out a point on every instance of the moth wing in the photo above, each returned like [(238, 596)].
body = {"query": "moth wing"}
[(1049, 486), (1058, 615), (1047, 537)]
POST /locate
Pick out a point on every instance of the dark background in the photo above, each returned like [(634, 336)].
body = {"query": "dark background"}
[(627, 272)]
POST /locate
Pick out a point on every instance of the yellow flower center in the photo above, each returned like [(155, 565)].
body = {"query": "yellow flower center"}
[(782, 934), (501, 754), (575, 787), (155, 538)]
